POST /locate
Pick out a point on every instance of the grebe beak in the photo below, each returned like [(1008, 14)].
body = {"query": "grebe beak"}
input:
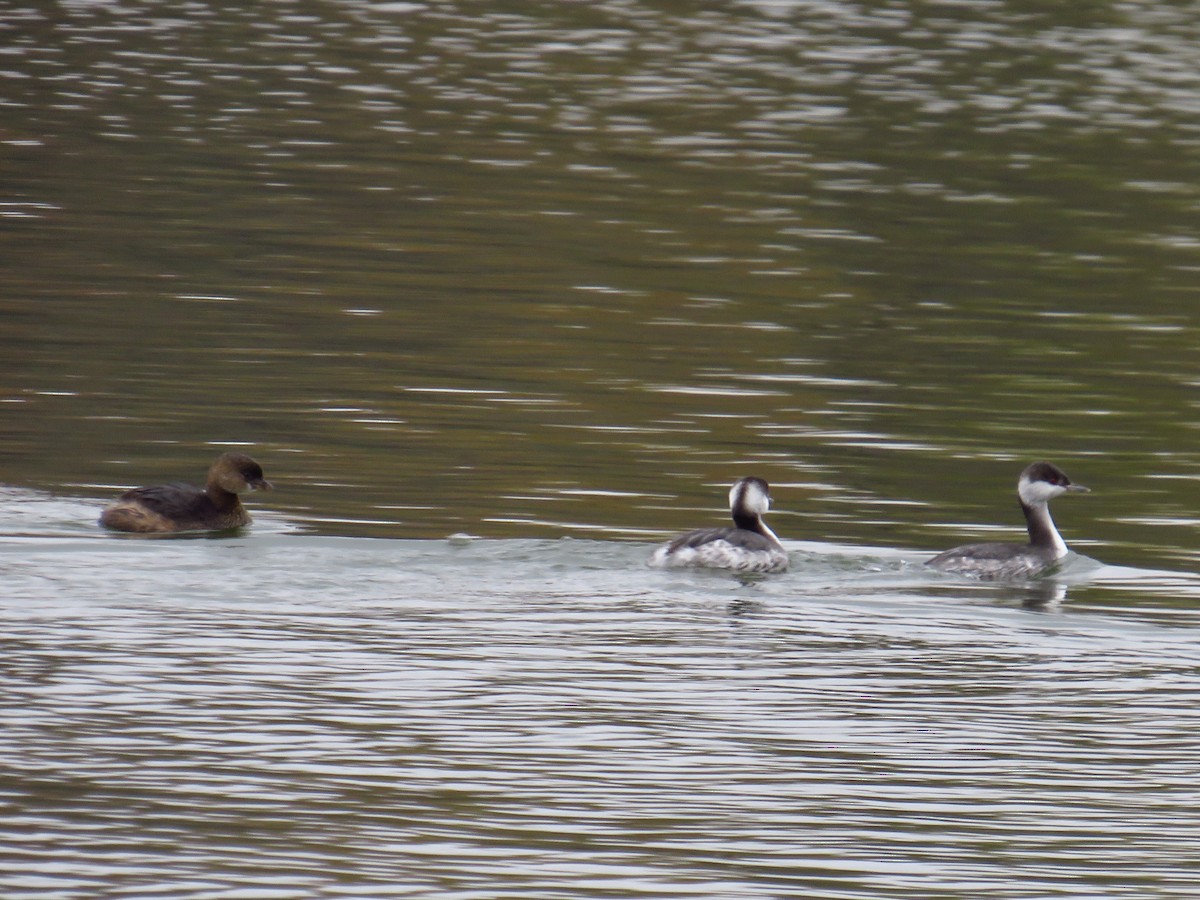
[(1078, 489), (261, 484)]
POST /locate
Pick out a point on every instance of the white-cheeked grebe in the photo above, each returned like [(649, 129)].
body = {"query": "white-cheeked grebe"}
[(1040, 483), (750, 546)]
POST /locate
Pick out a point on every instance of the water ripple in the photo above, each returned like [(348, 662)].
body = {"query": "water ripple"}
[(488, 717)]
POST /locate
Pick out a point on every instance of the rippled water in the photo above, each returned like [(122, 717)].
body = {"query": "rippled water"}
[(548, 277), (517, 271), (289, 715)]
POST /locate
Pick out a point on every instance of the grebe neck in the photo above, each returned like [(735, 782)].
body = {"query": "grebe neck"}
[(1042, 533), (749, 521), (221, 498)]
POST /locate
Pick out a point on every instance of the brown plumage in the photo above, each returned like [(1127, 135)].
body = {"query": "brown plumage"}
[(182, 507)]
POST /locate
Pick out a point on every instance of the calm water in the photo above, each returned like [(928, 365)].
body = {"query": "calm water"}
[(550, 276)]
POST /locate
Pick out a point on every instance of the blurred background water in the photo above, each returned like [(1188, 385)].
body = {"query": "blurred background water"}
[(554, 274)]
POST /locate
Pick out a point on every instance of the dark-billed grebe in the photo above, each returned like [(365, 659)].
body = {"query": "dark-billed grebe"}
[(750, 546), (1040, 483), (182, 507)]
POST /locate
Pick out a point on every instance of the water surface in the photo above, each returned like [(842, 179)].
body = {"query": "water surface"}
[(551, 276)]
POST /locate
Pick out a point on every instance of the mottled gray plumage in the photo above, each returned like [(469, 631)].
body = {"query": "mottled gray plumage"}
[(750, 546)]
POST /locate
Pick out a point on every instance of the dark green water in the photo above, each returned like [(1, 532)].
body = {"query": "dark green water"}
[(439, 268), (546, 270)]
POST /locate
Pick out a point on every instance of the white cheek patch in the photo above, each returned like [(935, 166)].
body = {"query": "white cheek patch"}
[(754, 499), (1035, 493)]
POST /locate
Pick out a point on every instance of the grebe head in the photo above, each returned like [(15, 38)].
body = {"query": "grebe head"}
[(749, 496), (1041, 482), (237, 473)]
